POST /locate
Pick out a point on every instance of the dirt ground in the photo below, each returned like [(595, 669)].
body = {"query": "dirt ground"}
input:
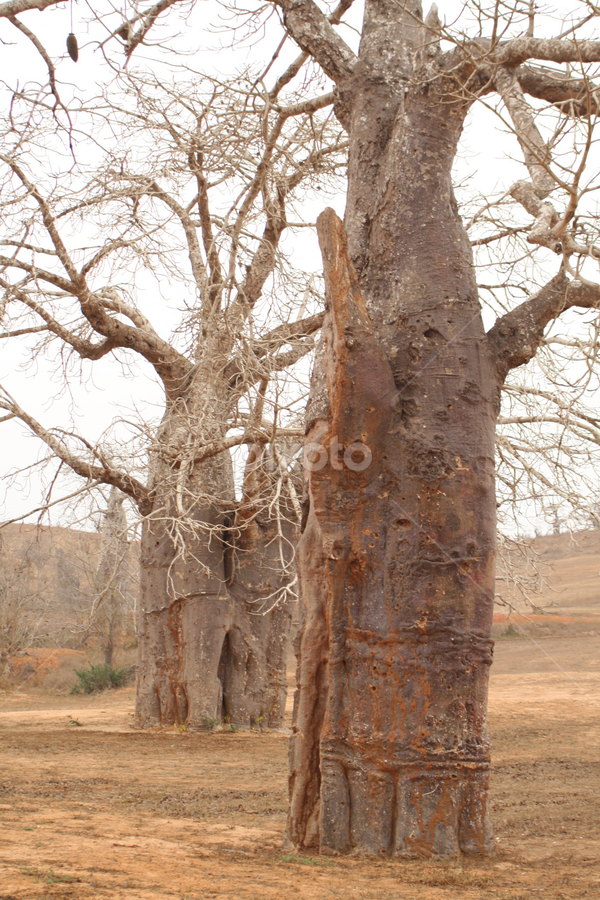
[(92, 808)]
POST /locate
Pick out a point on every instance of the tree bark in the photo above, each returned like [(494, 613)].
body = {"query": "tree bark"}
[(211, 653), (389, 752)]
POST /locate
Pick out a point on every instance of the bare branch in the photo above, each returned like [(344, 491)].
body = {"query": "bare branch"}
[(43, 53), (535, 151), (49, 221), (516, 336), (308, 106), (84, 348), (21, 331), (514, 53), (145, 20), (14, 7), (242, 374), (196, 160), (572, 96), (334, 19), (103, 473), (312, 31), (544, 214), (11, 262), (273, 340)]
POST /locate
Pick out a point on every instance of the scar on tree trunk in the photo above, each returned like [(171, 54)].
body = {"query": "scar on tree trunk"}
[(389, 752)]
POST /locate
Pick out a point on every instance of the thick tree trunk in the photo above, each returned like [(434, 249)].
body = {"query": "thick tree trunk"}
[(389, 752), (204, 655), (261, 566)]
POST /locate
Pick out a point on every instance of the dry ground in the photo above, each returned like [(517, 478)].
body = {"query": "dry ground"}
[(98, 810)]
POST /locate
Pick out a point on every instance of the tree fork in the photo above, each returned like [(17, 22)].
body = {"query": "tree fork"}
[(389, 752)]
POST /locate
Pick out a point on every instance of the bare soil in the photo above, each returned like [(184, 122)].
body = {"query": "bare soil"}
[(92, 808)]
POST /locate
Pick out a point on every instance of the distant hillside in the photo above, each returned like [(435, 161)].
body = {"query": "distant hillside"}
[(572, 562), (55, 564), (55, 568), (554, 585)]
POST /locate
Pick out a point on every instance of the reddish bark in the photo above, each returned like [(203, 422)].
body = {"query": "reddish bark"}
[(390, 751)]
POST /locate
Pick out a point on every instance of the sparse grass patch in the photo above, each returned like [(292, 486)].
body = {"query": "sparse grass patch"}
[(307, 860), (52, 877), (510, 631)]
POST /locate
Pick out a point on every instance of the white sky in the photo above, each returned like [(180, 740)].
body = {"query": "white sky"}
[(490, 158)]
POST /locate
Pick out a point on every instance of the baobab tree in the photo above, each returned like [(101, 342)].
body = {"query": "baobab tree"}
[(193, 186), (390, 752)]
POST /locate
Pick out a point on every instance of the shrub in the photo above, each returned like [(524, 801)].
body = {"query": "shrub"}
[(99, 678), (511, 631)]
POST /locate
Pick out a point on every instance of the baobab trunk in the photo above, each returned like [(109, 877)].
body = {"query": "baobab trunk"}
[(389, 752), (209, 650)]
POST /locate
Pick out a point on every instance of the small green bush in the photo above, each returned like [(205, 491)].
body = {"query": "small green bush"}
[(210, 724), (99, 678)]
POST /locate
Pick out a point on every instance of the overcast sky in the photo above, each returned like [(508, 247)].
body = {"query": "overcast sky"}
[(489, 162)]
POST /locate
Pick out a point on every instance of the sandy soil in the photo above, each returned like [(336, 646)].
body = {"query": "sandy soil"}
[(91, 808)]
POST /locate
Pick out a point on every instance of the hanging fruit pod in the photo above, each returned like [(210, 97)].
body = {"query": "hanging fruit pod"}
[(72, 47)]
